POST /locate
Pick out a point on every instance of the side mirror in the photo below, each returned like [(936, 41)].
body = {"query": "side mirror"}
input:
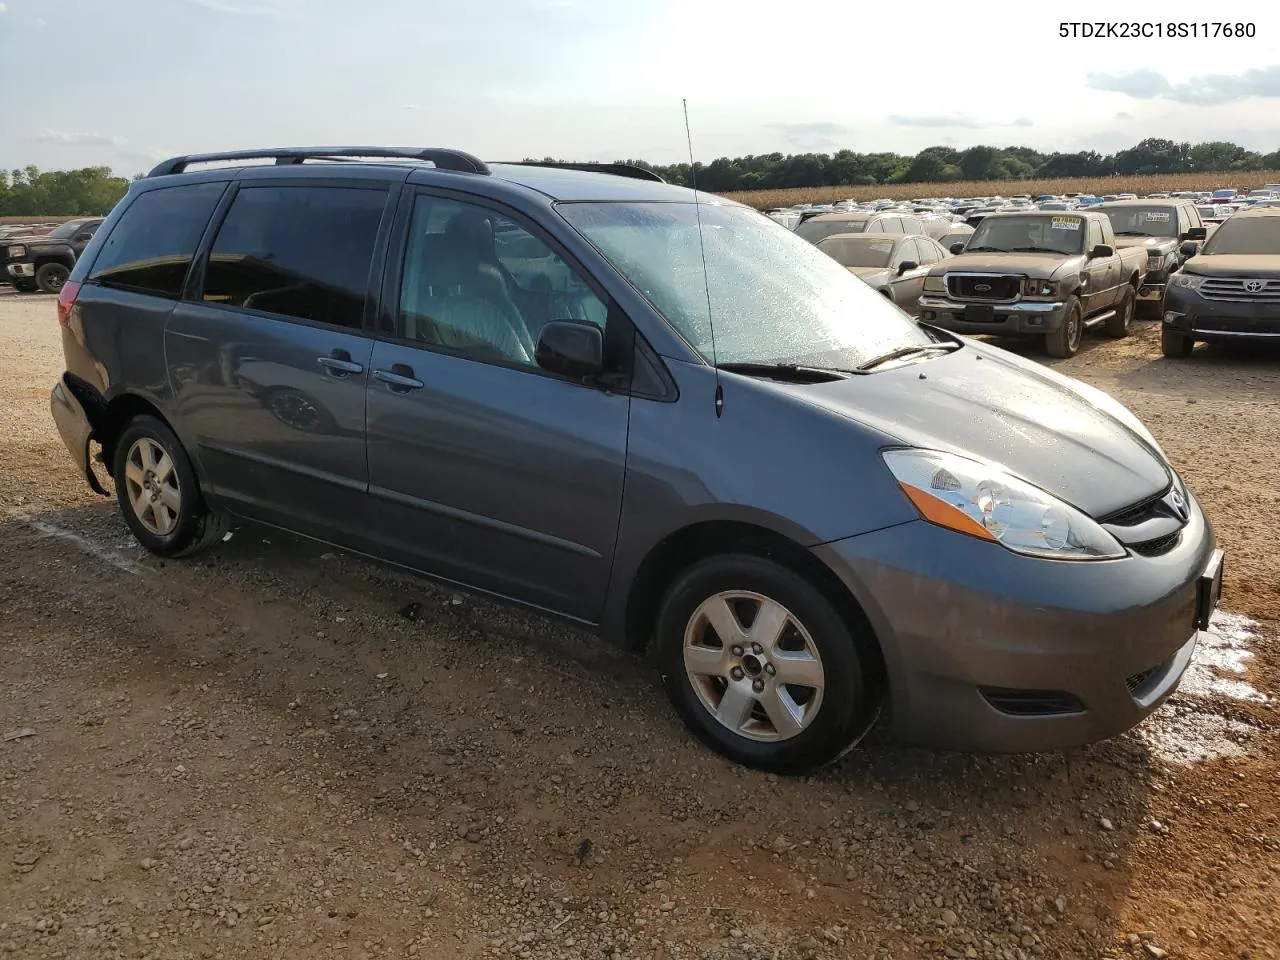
[(1196, 233), (1189, 248), (84, 237), (1102, 250), (572, 348), (907, 265), (957, 249)]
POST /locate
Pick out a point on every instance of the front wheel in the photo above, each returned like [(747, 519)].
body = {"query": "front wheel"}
[(158, 492), (1065, 341), (761, 666), (51, 277), (1175, 344)]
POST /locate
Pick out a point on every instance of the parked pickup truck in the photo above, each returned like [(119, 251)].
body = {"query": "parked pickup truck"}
[(1032, 273), (1167, 229), (44, 263)]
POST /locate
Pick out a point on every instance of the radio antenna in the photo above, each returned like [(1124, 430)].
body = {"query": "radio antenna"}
[(702, 247)]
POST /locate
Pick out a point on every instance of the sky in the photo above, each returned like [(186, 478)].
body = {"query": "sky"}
[(124, 83)]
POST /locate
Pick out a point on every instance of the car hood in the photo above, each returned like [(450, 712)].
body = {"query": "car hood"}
[(872, 275), (1234, 265), (1157, 243), (988, 404), (1042, 266)]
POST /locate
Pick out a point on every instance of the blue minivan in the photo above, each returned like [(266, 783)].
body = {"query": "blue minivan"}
[(649, 411)]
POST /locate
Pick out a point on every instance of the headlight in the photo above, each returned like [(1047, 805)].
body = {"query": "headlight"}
[(981, 501), (1189, 280), (935, 284), (17, 250), (1155, 261), (1040, 288)]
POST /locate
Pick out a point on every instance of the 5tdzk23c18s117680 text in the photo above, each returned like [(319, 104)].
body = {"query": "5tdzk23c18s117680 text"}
[(1158, 29)]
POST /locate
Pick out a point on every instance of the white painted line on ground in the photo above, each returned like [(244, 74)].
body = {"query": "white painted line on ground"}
[(104, 553)]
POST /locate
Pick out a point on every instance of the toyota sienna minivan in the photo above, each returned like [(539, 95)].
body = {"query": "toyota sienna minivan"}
[(651, 412)]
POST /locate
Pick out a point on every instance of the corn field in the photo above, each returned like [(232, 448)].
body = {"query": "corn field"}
[(1157, 183)]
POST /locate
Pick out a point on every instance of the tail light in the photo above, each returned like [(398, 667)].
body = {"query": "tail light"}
[(66, 300)]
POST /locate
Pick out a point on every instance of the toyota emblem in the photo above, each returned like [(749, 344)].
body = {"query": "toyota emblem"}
[(1179, 505), (982, 287), (1254, 286)]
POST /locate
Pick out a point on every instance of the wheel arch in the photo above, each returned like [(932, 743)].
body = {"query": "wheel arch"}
[(677, 551)]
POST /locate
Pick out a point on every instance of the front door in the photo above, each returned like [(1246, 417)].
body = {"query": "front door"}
[(1103, 273), (269, 363), (483, 468)]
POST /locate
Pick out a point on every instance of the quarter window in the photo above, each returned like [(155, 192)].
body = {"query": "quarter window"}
[(302, 252), (152, 246), (478, 284)]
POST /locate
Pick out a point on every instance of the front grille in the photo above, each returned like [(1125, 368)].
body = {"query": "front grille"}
[(1144, 681), (970, 287), (1032, 703), (1138, 513), (1240, 290), (1153, 548)]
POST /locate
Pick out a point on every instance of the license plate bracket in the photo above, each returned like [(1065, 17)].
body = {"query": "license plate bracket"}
[(979, 313), (1209, 590)]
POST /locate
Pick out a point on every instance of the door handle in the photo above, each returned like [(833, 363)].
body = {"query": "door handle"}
[(339, 363), (399, 378)]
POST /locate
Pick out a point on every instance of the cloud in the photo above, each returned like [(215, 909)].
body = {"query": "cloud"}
[(275, 9), (410, 106), (79, 139), (3, 8), (1123, 116), (813, 135), (955, 121), (1210, 89)]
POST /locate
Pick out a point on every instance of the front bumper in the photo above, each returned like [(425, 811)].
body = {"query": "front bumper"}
[(1018, 317), (988, 650), (1224, 321), (26, 270)]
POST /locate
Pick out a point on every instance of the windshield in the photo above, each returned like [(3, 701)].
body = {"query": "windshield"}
[(774, 297), (1245, 235), (1143, 221), (857, 251), (65, 231), (815, 229), (1058, 234)]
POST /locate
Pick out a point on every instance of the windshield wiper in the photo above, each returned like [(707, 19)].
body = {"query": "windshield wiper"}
[(797, 372), (906, 352), (1034, 250), (988, 249), (1133, 233)]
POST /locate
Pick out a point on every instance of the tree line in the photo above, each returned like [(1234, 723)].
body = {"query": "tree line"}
[(33, 192)]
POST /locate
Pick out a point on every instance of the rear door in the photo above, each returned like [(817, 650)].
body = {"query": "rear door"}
[(484, 468), (269, 357)]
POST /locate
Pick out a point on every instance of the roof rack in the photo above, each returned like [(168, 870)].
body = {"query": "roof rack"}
[(455, 160), (615, 169)]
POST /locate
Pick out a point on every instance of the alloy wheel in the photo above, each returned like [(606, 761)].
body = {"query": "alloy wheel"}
[(152, 487)]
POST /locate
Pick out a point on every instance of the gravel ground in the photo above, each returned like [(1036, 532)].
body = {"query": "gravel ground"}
[(257, 754)]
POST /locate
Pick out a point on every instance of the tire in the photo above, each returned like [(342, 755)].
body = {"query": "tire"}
[(175, 521), (51, 276), (1174, 344), (823, 721), (1065, 341), (25, 286), (1119, 325)]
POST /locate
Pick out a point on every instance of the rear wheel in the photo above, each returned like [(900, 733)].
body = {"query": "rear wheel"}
[(1065, 341), (1175, 344), (51, 276), (158, 492), (1118, 325), (761, 666)]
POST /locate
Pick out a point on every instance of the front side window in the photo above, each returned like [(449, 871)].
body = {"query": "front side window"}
[(297, 251), (152, 246), (772, 296), (480, 285)]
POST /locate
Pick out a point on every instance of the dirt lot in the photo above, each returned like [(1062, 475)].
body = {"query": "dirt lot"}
[(255, 754)]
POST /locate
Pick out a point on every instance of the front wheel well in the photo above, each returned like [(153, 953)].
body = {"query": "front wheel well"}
[(63, 261), (678, 551)]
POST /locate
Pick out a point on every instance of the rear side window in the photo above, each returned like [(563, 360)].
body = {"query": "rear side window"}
[(302, 252), (152, 246)]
